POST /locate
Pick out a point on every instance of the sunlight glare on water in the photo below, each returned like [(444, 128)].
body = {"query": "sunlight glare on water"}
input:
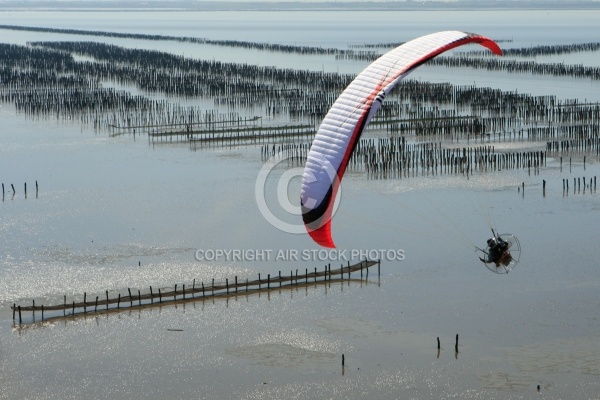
[(121, 212)]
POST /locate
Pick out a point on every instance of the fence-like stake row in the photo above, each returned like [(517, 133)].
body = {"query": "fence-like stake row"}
[(240, 134), (394, 157), (14, 191), (286, 95), (183, 293), (590, 185)]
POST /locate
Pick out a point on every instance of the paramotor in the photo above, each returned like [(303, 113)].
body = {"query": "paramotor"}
[(502, 253)]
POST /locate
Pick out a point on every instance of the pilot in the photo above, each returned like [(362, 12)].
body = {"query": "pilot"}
[(497, 252)]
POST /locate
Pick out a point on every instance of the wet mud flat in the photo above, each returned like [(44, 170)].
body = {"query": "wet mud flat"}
[(536, 328)]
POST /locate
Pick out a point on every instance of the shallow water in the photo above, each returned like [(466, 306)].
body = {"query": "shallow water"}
[(114, 213), (88, 230)]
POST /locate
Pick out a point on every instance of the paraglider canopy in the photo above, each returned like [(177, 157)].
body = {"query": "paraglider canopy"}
[(343, 125)]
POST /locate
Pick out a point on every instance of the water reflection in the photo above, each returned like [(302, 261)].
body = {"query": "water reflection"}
[(176, 302)]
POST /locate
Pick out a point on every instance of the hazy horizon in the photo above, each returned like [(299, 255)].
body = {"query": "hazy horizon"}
[(273, 5)]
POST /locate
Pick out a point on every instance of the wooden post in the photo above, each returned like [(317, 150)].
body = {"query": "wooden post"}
[(227, 284), (268, 281), (159, 296), (175, 293), (544, 187), (84, 302), (315, 274), (119, 301), (151, 296), (96, 305), (183, 291), (343, 360), (130, 298), (20, 319), (438, 340), (456, 345), (259, 281), (73, 308), (14, 307), (65, 305), (306, 275), (139, 298), (279, 278), (107, 299)]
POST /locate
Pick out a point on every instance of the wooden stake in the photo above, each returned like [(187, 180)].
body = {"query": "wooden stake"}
[(456, 345)]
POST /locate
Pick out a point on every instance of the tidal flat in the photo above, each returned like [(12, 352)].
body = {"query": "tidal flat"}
[(117, 211)]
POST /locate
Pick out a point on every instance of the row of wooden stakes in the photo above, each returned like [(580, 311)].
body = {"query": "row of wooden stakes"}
[(190, 293)]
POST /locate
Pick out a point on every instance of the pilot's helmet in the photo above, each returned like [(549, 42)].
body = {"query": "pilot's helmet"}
[(492, 242)]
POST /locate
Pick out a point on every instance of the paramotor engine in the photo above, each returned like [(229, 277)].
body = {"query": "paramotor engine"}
[(503, 257)]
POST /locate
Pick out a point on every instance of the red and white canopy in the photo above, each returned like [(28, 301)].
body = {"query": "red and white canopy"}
[(350, 114)]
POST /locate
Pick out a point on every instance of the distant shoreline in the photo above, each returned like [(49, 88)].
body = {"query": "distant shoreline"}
[(188, 5)]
